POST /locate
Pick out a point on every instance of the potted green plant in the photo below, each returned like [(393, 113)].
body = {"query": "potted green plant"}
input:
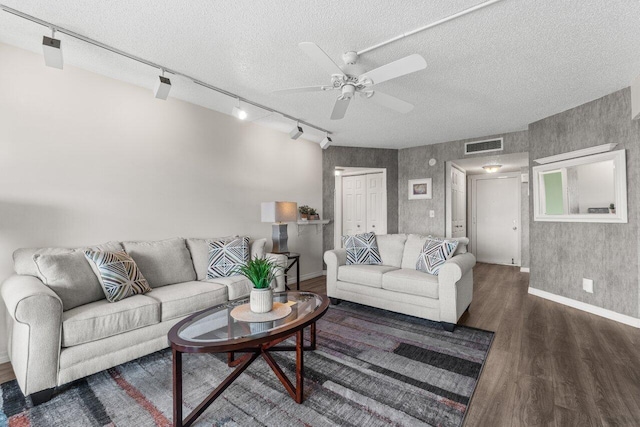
[(261, 272), (313, 214), (304, 212), (612, 208)]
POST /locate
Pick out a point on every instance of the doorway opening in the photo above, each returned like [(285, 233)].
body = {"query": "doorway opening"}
[(485, 200), (360, 204)]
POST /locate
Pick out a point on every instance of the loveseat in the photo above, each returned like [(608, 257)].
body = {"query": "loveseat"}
[(66, 329), (396, 285)]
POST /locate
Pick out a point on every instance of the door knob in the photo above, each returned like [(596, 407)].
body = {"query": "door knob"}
[(515, 228), (373, 226)]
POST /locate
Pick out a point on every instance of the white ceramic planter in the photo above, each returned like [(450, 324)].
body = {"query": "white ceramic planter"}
[(261, 300)]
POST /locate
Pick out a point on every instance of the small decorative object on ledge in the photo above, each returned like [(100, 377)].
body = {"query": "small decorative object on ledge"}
[(304, 212), (261, 272), (313, 214), (612, 208)]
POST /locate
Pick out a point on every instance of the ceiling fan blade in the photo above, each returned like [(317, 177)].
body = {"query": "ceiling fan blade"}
[(401, 67), (390, 102), (304, 89), (314, 52), (340, 108)]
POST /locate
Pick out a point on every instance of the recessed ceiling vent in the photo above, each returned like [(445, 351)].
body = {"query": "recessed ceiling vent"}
[(484, 146)]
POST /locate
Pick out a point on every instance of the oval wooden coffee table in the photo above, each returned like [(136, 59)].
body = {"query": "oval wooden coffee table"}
[(215, 330)]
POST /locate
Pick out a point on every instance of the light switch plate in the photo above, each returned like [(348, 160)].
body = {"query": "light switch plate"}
[(587, 285), (432, 214)]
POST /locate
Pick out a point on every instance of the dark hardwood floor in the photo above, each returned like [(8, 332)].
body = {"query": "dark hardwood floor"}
[(550, 365)]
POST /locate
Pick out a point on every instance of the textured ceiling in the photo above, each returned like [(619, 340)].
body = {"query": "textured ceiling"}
[(493, 71)]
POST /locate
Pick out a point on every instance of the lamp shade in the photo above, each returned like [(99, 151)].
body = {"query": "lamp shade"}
[(279, 211)]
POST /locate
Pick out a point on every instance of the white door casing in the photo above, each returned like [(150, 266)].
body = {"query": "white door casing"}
[(458, 203), (496, 218)]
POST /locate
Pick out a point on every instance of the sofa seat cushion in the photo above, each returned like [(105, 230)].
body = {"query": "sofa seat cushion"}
[(410, 281), (237, 286), (102, 319), (185, 298), (366, 275)]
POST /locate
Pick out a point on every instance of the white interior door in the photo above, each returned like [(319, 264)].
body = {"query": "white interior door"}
[(354, 204), (458, 203), (497, 220), (375, 204)]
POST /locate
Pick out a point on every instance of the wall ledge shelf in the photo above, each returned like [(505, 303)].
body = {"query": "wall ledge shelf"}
[(577, 153), (317, 222)]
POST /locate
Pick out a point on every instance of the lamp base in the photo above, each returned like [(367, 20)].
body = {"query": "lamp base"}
[(280, 238)]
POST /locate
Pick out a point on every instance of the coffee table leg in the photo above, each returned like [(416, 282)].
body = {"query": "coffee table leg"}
[(313, 336), (177, 388), (299, 366)]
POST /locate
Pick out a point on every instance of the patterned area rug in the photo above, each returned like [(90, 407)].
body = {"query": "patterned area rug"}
[(372, 368)]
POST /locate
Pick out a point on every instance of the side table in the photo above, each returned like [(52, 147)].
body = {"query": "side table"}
[(293, 259)]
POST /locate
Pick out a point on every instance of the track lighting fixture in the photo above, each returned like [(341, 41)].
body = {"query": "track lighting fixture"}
[(239, 112), (296, 132), (162, 88), (326, 142), (52, 50)]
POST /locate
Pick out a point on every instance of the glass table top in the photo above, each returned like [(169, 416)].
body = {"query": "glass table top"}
[(216, 324)]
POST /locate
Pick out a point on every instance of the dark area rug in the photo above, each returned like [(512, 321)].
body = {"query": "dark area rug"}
[(372, 368)]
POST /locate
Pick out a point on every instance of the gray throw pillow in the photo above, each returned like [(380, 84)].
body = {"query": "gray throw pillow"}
[(434, 254), (362, 249), (225, 257), (163, 262), (118, 274)]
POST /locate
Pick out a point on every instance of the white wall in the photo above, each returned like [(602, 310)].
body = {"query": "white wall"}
[(85, 159)]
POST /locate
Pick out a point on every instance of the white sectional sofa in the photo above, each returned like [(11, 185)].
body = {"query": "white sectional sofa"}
[(397, 286), (66, 330)]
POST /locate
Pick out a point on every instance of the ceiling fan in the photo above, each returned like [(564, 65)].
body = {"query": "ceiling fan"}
[(350, 79)]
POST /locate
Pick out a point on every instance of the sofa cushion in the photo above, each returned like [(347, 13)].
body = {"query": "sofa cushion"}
[(70, 276), (118, 274), (162, 262), (412, 248), (391, 247), (226, 256), (366, 275), (237, 286), (23, 258), (199, 250), (101, 319), (362, 249), (434, 254), (185, 298), (411, 281)]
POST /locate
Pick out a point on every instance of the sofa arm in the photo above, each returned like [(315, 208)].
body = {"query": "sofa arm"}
[(280, 260), (334, 259), (455, 286), (34, 330)]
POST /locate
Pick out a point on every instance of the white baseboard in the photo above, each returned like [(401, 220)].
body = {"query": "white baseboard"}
[(303, 277), (524, 269), (4, 357), (598, 311)]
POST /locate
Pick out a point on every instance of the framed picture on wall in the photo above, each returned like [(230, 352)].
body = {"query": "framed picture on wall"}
[(420, 189)]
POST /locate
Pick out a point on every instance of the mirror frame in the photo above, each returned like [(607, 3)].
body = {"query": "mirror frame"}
[(620, 163)]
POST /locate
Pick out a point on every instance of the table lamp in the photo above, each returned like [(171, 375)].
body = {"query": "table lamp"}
[(279, 213)]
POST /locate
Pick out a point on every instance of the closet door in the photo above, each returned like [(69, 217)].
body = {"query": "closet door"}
[(375, 208), (353, 204)]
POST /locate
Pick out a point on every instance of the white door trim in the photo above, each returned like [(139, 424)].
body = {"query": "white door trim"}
[(474, 181), (448, 214), (337, 201)]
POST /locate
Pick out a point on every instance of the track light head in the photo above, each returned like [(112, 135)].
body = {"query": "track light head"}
[(239, 113), (162, 88), (326, 142), (296, 132), (52, 50)]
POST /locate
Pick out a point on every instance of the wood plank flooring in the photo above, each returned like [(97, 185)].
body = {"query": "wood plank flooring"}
[(550, 365)]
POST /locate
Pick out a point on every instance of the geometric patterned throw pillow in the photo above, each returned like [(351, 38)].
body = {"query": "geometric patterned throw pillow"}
[(434, 254), (362, 249), (118, 274), (226, 256)]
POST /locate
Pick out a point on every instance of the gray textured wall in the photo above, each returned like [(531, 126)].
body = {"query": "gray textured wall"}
[(413, 163), (358, 157), (563, 253)]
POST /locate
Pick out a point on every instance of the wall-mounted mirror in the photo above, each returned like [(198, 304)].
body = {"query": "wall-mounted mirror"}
[(585, 189)]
